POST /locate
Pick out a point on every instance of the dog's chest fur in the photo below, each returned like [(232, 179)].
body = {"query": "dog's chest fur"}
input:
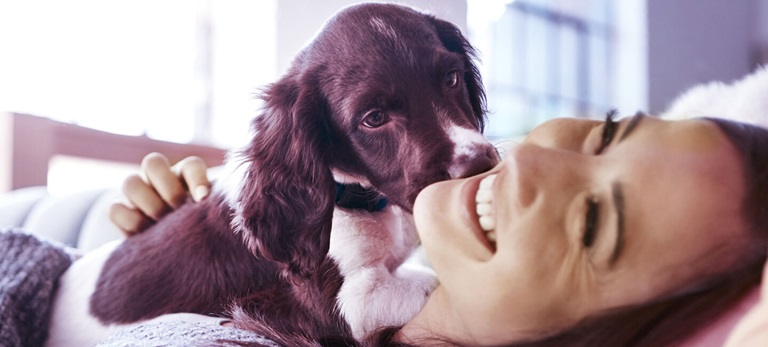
[(370, 249)]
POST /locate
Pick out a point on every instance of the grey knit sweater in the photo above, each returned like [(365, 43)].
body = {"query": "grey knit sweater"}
[(29, 268)]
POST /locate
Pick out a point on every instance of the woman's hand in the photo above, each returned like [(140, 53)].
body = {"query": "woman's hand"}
[(159, 190)]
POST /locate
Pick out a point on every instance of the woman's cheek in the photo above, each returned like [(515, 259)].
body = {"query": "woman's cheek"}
[(429, 212)]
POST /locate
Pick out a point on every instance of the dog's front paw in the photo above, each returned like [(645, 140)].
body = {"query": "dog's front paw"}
[(421, 278), (374, 297)]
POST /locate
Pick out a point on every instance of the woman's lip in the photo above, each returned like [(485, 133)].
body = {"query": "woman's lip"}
[(468, 194)]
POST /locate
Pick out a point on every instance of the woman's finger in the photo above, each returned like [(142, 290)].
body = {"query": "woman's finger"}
[(130, 221), (159, 175), (194, 173), (144, 198)]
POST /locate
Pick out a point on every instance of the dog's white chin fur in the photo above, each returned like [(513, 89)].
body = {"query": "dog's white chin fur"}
[(744, 100)]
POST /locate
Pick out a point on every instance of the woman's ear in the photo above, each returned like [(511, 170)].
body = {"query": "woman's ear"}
[(285, 205), (451, 37)]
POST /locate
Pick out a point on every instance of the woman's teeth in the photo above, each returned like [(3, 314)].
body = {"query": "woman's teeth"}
[(484, 207)]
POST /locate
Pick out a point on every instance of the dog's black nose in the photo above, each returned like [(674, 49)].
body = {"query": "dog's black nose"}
[(486, 159)]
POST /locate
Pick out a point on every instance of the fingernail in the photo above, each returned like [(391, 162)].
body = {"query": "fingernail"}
[(200, 193)]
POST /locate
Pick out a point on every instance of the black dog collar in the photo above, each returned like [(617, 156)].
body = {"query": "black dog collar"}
[(355, 196)]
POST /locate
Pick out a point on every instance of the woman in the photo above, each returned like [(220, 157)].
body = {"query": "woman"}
[(614, 233), (594, 220)]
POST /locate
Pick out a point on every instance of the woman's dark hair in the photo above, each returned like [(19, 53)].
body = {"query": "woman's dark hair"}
[(670, 319), (752, 142)]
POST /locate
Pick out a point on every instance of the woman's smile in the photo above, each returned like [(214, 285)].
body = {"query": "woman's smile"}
[(474, 189), (484, 208)]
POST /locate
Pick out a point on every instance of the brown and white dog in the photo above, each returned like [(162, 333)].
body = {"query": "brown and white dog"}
[(384, 101)]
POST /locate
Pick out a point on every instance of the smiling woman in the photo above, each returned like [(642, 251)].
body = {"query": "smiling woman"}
[(587, 217)]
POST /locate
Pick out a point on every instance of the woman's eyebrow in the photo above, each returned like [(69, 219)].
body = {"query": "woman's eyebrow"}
[(632, 125), (618, 195), (618, 202)]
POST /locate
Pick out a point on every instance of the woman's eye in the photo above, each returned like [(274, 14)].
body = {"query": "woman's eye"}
[(609, 131), (590, 222), (375, 119), (452, 79)]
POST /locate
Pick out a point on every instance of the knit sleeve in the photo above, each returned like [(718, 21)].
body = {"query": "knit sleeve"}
[(29, 269)]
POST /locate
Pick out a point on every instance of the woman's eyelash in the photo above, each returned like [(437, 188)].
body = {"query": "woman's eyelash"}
[(590, 222), (609, 131), (593, 206)]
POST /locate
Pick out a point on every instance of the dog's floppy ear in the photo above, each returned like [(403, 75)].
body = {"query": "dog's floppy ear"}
[(285, 204), (451, 37)]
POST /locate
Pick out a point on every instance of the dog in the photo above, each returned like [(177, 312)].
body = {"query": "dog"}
[(315, 224)]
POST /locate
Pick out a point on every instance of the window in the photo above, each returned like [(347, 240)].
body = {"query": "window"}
[(543, 59), (175, 70)]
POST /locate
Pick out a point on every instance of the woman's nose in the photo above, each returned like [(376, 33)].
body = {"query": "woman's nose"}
[(539, 171)]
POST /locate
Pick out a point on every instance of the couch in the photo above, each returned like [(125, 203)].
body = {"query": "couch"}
[(79, 220)]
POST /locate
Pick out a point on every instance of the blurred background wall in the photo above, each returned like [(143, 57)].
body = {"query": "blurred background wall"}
[(695, 41)]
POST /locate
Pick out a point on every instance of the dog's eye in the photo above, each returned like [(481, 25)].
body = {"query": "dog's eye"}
[(452, 79), (375, 119)]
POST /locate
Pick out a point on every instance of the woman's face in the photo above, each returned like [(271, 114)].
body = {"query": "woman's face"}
[(580, 227)]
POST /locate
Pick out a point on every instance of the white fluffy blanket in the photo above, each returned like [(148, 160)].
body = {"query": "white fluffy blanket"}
[(744, 100)]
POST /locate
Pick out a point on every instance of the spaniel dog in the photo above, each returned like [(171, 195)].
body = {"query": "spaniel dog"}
[(315, 227)]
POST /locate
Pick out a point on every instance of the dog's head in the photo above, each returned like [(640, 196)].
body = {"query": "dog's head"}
[(385, 97)]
